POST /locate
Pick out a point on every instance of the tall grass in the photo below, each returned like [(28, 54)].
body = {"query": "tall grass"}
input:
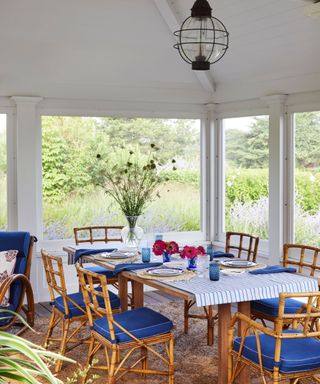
[(178, 209)]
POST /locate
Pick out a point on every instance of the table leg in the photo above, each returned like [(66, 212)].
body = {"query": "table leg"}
[(137, 294), (244, 308), (224, 317), (123, 292)]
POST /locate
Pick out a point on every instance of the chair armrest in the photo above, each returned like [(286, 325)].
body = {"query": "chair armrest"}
[(16, 278), (251, 324)]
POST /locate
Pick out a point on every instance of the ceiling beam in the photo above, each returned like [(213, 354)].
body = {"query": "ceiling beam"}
[(169, 15)]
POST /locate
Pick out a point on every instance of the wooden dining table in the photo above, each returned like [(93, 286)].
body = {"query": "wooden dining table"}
[(240, 290)]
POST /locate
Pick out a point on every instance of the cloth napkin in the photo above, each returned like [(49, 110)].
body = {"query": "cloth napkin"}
[(85, 252), (133, 266), (273, 269), (218, 254)]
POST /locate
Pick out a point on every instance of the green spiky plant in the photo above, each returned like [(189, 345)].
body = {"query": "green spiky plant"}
[(24, 361)]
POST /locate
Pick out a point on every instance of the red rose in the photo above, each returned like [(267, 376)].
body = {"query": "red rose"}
[(201, 251)]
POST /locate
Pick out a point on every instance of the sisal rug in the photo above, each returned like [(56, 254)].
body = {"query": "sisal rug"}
[(195, 362)]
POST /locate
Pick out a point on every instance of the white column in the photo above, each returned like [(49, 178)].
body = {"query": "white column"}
[(208, 173), (276, 105), (28, 145), (28, 175)]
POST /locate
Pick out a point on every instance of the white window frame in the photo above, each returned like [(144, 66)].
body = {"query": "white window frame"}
[(220, 235), (289, 213), (56, 246)]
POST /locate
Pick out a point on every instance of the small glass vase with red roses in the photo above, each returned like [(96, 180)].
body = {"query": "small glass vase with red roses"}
[(166, 249)]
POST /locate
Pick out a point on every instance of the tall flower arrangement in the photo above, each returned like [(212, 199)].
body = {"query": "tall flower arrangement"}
[(131, 179)]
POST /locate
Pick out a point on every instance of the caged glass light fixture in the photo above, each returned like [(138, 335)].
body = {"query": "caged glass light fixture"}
[(202, 39)]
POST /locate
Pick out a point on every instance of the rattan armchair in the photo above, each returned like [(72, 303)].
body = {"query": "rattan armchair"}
[(279, 354), (127, 334), (246, 246), (18, 283), (307, 261)]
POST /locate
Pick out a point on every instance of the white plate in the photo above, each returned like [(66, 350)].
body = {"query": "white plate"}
[(164, 271), (232, 272), (238, 263), (116, 255)]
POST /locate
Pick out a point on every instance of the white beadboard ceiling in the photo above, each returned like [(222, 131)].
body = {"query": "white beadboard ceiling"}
[(122, 50)]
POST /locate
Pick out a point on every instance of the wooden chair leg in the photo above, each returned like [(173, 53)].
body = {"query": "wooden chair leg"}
[(50, 330), (186, 316), (63, 345), (112, 367), (144, 362), (210, 325), (171, 361), (89, 360)]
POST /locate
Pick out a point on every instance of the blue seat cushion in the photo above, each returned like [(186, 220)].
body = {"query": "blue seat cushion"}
[(297, 355), (141, 322), (78, 298), (5, 317), (21, 242), (103, 271), (271, 306)]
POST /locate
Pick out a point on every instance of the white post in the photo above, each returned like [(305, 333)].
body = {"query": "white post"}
[(276, 105), (28, 173), (208, 179)]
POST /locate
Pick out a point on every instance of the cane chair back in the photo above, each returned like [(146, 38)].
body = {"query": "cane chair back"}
[(98, 233), (243, 243), (90, 293), (305, 257), (306, 323), (53, 266)]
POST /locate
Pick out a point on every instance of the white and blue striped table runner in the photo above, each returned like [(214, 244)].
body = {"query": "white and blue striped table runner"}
[(245, 287)]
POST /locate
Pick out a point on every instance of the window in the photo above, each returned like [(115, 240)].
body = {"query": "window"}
[(70, 195), (3, 171), (307, 178), (246, 157)]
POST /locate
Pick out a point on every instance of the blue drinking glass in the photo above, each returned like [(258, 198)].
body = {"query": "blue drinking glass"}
[(158, 237), (146, 254), (214, 270), (210, 251)]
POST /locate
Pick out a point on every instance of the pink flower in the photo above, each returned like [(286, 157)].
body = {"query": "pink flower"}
[(172, 247), (158, 247), (201, 251), (189, 252)]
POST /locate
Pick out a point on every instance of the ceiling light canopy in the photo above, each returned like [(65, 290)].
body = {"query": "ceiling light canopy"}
[(202, 39)]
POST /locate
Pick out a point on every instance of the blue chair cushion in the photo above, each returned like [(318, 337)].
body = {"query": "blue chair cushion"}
[(21, 242), (103, 271), (5, 317), (141, 322), (297, 355), (271, 306), (78, 298)]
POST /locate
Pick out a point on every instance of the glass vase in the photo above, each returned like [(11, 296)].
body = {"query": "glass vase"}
[(192, 263), (132, 234), (166, 257)]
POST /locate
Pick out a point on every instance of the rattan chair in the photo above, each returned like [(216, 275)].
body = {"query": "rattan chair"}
[(127, 334), (93, 234), (66, 308), (279, 354), (21, 294), (307, 259), (247, 247)]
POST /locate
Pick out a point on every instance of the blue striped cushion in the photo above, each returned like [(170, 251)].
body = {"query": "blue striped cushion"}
[(5, 317), (141, 322), (297, 355)]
